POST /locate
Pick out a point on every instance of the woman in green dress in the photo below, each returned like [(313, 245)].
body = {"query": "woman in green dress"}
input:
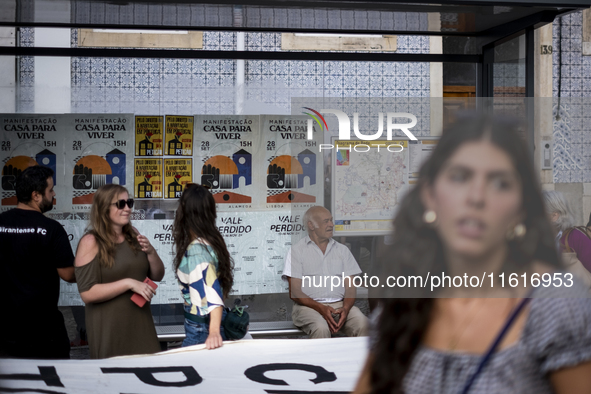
[(112, 262)]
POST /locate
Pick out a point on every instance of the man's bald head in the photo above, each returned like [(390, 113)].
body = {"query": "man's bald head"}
[(318, 222)]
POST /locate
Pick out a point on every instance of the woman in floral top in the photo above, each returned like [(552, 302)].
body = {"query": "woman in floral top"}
[(203, 266)]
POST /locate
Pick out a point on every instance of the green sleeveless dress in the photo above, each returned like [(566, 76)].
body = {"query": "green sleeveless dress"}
[(118, 327)]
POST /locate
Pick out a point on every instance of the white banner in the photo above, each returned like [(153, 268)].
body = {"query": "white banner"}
[(249, 366)]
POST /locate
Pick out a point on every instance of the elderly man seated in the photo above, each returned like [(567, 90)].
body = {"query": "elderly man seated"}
[(319, 308)]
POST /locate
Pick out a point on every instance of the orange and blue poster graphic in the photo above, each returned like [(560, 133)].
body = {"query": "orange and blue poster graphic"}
[(178, 135), (29, 140), (149, 135), (177, 173), (148, 178), (225, 158), (98, 152), (294, 164)]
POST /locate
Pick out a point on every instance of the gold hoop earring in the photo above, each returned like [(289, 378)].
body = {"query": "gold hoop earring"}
[(517, 232), (520, 230), (429, 216)]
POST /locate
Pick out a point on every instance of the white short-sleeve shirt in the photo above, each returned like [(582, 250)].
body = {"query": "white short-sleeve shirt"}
[(321, 273)]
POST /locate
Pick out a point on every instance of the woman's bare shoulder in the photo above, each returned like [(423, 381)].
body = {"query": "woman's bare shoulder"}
[(87, 249)]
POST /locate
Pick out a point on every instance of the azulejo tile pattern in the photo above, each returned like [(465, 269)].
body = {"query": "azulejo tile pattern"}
[(318, 18), (272, 42), (208, 86), (510, 74), (572, 72), (187, 86), (152, 86), (89, 11), (26, 86), (571, 141), (252, 16)]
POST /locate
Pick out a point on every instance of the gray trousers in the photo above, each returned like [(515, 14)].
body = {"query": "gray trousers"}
[(313, 324)]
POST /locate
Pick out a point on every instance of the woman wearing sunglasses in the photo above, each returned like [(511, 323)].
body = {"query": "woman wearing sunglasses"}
[(203, 266), (112, 262)]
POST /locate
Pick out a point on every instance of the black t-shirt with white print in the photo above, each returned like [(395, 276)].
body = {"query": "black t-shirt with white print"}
[(32, 247)]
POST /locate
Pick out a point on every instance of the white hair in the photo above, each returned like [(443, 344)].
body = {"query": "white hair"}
[(556, 203), (309, 216)]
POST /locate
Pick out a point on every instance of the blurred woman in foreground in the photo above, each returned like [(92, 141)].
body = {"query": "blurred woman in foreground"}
[(477, 210)]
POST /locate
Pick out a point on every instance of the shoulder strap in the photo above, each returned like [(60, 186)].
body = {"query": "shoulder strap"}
[(493, 347)]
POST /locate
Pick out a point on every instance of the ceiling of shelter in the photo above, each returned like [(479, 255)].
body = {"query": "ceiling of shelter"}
[(459, 17)]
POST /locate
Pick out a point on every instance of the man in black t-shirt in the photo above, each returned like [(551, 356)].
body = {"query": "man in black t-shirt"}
[(34, 254)]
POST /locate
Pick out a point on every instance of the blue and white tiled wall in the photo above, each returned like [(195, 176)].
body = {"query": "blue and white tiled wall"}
[(156, 86), (26, 91), (572, 131), (509, 74), (207, 86)]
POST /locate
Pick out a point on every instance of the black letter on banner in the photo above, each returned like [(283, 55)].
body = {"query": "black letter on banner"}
[(276, 391), (257, 373), (46, 374), (146, 375)]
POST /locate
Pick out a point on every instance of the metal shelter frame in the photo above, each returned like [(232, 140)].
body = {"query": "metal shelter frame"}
[(544, 12)]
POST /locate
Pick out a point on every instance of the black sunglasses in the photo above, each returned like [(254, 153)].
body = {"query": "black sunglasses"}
[(121, 203)]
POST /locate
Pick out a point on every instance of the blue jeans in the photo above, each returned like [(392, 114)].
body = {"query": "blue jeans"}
[(196, 333)]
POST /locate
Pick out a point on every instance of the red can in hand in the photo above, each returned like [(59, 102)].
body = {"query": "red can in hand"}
[(138, 299)]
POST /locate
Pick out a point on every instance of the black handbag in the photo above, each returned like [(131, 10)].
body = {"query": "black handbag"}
[(236, 322)]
